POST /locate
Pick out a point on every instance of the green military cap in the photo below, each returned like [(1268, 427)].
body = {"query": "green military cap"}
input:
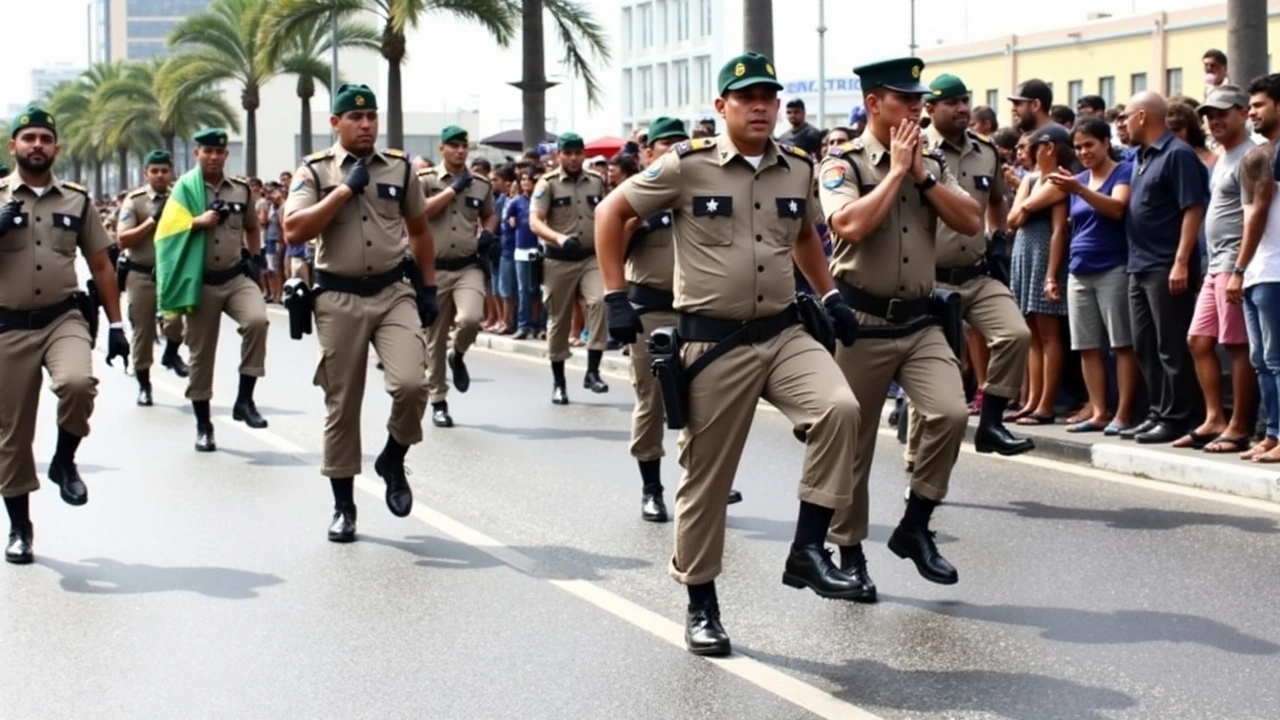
[(353, 97), (33, 117), (570, 141), (211, 137), (666, 127), (158, 157), (746, 70), (453, 134), (946, 87), (900, 74)]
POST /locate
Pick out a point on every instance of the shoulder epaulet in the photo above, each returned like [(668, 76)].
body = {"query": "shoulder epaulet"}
[(481, 178), (238, 179), (427, 171), (557, 172), (598, 176), (317, 156), (694, 145), (793, 150), (853, 146), (75, 186), (934, 153), (138, 193), (392, 152), (984, 139)]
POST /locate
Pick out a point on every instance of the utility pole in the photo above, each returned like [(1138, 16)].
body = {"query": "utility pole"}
[(913, 28), (822, 63), (757, 27), (333, 70), (1246, 40)]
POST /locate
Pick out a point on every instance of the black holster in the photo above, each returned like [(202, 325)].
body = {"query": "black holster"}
[(997, 257), (122, 274), (300, 303), (816, 321), (87, 302), (249, 266), (664, 347), (537, 269), (947, 308)]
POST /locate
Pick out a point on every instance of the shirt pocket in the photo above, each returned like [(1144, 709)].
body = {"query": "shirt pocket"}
[(792, 214), (66, 232), (591, 202), (712, 220), (471, 208)]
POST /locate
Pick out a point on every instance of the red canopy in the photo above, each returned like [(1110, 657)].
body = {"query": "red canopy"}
[(606, 146)]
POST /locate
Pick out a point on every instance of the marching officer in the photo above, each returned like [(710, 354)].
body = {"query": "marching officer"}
[(136, 230), (563, 215), (43, 320), (355, 199), (884, 196), (457, 202), (742, 213), (231, 223), (987, 303)]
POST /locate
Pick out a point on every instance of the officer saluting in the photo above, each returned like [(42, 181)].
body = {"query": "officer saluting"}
[(230, 223), (562, 215), (43, 221), (742, 212), (136, 230), (457, 202), (884, 195), (355, 199)]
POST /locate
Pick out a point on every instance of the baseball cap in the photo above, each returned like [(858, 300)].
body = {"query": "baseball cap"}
[(1225, 97), (1051, 133), (1034, 89)]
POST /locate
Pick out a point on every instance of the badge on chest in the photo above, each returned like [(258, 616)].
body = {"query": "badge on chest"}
[(473, 202), (791, 207), (389, 192), (982, 182), (713, 206), (63, 221)]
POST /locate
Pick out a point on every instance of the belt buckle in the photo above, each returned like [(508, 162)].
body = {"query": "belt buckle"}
[(954, 275), (896, 311), (367, 285), (753, 330), (33, 319)]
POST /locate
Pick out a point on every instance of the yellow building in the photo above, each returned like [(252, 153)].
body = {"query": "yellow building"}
[(1114, 58)]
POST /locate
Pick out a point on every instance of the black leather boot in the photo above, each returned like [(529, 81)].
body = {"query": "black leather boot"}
[(653, 508), (19, 550), (913, 540), (343, 527), (854, 563), (810, 566), (703, 633), (461, 377), (399, 494), (64, 474)]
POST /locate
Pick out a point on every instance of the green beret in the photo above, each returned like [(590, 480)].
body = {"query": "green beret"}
[(946, 87), (746, 70), (667, 127), (570, 141), (33, 117), (353, 97), (453, 134), (211, 137), (899, 74), (158, 157)]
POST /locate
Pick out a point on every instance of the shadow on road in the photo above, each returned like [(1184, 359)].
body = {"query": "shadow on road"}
[(42, 469), (555, 433), (770, 530), (103, 576), (549, 562), (1133, 518)]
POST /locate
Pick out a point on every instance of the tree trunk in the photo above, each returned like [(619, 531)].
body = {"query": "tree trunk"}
[(251, 143), (757, 27), (1246, 40), (168, 146), (122, 166), (533, 81), (99, 184), (77, 170), (306, 89), (393, 51)]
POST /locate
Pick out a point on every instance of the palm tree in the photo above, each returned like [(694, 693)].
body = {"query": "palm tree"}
[(71, 102), (579, 33), (757, 26), (398, 16), (137, 98), (301, 53), (126, 125)]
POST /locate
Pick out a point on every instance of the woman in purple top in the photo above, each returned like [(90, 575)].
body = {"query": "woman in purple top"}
[(1097, 282)]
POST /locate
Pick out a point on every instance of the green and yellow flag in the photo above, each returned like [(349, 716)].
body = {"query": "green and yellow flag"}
[(179, 248)]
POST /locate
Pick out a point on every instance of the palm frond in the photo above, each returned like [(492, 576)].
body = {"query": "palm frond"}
[(581, 35)]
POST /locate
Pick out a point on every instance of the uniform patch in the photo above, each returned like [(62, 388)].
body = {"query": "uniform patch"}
[(565, 201), (387, 191), (713, 206), (66, 222), (473, 202), (125, 215), (982, 182), (832, 178), (653, 171), (537, 195), (297, 185), (791, 207), (593, 200)]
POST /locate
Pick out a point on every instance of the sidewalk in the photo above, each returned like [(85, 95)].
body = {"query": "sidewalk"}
[(1221, 472)]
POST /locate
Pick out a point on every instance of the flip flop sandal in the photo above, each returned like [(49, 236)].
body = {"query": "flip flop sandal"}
[(1034, 419), (1086, 426), (1224, 444), (1011, 415), (1114, 429), (1198, 441)]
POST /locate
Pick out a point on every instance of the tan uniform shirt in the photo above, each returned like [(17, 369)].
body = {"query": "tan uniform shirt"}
[(365, 237), (38, 258), (735, 226), (569, 204), (976, 166), (651, 258), (897, 260), (223, 243), (133, 212), (457, 226)]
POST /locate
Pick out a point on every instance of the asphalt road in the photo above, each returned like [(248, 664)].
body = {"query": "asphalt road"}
[(525, 585)]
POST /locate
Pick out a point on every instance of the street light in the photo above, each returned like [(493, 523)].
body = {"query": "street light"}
[(822, 63)]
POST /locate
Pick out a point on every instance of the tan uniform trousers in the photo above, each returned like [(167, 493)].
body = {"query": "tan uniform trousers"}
[(929, 372), (990, 309), (346, 325), (142, 320), (794, 373), (460, 291), (241, 299), (562, 283), (63, 348), (647, 422)]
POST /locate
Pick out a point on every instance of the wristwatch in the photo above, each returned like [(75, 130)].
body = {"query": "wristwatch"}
[(927, 184), (1237, 270)]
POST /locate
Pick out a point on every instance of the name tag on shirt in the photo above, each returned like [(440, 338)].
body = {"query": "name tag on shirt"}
[(791, 207), (565, 201), (237, 208), (389, 192), (473, 202), (713, 206), (593, 200), (66, 222), (982, 182)]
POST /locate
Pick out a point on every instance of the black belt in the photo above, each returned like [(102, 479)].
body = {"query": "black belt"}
[(138, 267), (650, 299), (458, 263), (895, 310), (730, 334), (35, 319), (362, 286), (222, 277), (962, 275), (555, 252)]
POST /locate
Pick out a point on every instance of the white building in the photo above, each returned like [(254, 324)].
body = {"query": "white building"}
[(44, 79)]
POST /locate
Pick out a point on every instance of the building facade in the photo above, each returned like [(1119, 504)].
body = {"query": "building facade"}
[(136, 29), (670, 52), (44, 79)]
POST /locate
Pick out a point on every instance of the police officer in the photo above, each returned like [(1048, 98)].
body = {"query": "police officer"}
[(742, 210), (987, 303), (231, 223), (562, 215), (457, 202), (43, 221), (884, 195), (355, 198), (136, 229)]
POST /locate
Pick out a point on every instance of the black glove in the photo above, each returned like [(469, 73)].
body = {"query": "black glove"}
[(461, 182), (117, 346), (10, 213), (489, 247), (357, 177), (624, 321), (221, 207), (842, 318), (571, 244), (428, 308), (157, 208)]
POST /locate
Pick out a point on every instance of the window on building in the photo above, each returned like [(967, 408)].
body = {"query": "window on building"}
[(646, 25), (628, 97), (1137, 83), (682, 20), (703, 65), (681, 71), (646, 89), (662, 97), (147, 29), (1107, 89), (660, 19), (1173, 81), (146, 49), (165, 8), (627, 30), (704, 18), (1075, 91), (993, 98)]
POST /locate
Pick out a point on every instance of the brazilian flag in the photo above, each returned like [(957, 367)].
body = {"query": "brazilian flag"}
[(179, 248)]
